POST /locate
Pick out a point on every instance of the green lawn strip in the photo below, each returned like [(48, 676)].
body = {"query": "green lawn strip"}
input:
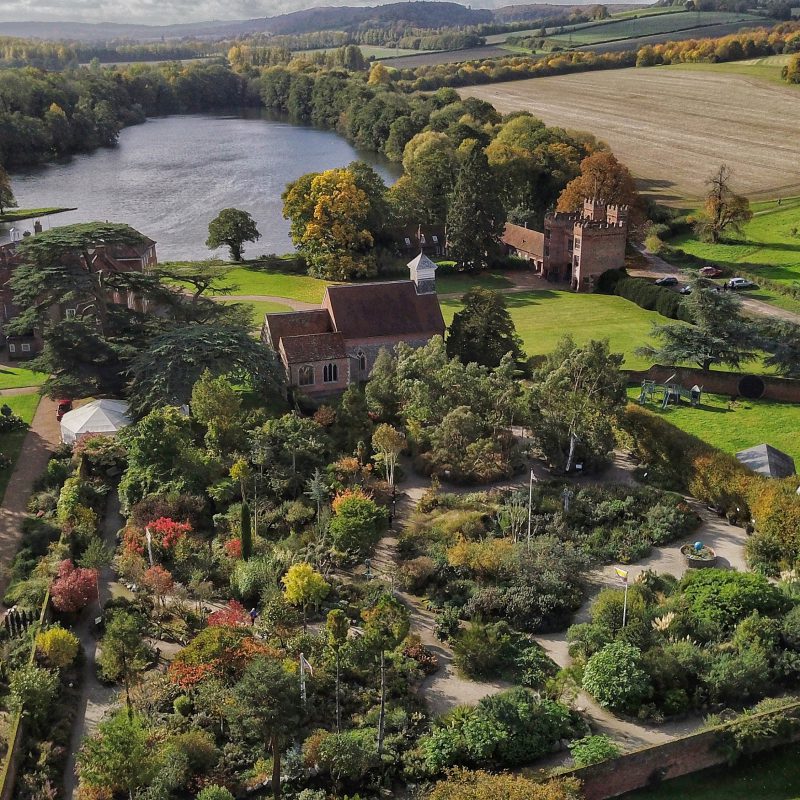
[(15, 377), (768, 246), (542, 317), (262, 307), (735, 426), (24, 405), (19, 214), (766, 776), (451, 284)]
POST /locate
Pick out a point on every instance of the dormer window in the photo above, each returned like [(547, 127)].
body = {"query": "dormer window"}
[(435, 239), (408, 242)]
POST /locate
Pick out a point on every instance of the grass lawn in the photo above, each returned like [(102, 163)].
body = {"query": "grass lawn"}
[(542, 317), (24, 405), (453, 284), (767, 68), (768, 776), (18, 214), (770, 245), (746, 424), (262, 307), (278, 284), (15, 377)]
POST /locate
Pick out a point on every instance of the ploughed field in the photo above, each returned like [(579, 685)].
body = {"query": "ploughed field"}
[(672, 127)]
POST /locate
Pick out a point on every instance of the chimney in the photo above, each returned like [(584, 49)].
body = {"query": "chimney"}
[(423, 273)]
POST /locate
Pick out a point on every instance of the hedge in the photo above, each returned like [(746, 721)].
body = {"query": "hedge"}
[(644, 293)]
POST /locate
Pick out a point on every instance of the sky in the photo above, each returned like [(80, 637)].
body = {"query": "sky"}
[(167, 12)]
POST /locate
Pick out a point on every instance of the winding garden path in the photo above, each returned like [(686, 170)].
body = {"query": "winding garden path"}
[(445, 689)]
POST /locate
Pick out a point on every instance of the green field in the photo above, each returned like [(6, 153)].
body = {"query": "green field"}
[(370, 51), (770, 245), (768, 776), (18, 214), (455, 284), (15, 377), (767, 68), (542, 317), (650, 25), (731, 427), (261, 307), (25, 406)]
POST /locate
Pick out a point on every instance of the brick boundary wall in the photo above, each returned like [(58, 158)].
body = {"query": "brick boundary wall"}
[(651, 765), (785, 390)]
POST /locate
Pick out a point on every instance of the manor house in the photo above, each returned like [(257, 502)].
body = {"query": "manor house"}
[(575, 247), (325, 350)]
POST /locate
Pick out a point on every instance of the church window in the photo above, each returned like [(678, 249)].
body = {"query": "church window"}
[(362, 361), (306, 375), (330, 373)]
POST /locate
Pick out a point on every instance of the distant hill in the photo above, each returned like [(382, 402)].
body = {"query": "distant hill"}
[(423, 14)]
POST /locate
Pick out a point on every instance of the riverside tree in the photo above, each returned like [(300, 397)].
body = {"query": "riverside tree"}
[(232, 228), (6, 194), (476, 217)]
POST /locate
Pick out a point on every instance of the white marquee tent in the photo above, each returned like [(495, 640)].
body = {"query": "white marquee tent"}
[(99, 416)]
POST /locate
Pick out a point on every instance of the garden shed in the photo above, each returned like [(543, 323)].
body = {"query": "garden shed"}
[(100, 416)]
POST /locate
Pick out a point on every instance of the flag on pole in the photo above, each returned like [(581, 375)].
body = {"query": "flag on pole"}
[(622, 574), (305, 666)]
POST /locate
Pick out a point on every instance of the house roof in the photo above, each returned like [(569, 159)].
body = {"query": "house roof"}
[(524, 239), (767, 460), (297, 323), (313, 347), (391, 309)]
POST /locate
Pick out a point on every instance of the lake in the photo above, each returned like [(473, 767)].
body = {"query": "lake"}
[(171, 176)]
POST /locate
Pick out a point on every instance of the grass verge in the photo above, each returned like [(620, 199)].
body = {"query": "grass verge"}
[(16, 377), (24, 405)]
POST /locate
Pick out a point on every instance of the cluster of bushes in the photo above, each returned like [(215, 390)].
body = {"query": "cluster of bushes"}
[(503, 730), (715, 638), (645, 294), (670, 458)]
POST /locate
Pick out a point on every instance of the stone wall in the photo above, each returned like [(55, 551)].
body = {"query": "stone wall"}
[(597, 249), (733, 384), (683, 756)]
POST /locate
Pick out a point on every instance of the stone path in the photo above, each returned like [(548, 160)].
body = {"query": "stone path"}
[(42, 438)]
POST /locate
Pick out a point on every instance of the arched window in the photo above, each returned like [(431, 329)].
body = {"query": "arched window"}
[(306, 375), (362, 361), (330, 373)]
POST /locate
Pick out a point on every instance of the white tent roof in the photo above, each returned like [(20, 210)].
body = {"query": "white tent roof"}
[(99, 416)]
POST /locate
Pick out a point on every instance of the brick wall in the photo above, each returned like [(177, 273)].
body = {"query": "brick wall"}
[(671, 760), (600, 249), (785, 390)]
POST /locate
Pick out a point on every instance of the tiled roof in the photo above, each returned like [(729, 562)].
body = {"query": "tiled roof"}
[(524, 239), (297, 323), (313, 347), (767, 460), (393, 309)]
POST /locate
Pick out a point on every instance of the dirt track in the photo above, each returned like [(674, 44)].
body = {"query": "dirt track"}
[(672, 127)]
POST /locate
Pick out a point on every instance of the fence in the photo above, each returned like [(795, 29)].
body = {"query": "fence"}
[(693, 753), (734, 384)]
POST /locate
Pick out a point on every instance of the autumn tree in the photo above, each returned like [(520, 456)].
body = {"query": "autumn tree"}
[(723, 209), (329, 215), (96, 556), (475, 218), (159, 581), (73, 588), (6, 194), (304, 586), (605, 178), (232, 228), (386, 625), (483, 331), (57, 646), (266, 710), (720, 334)]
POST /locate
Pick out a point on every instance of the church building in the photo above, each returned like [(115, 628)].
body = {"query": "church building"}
[(325, 350)]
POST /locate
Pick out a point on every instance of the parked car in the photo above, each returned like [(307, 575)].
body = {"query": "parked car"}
[(711, 272), (686, 289), (741, 283), (64, 405), (670, 280)]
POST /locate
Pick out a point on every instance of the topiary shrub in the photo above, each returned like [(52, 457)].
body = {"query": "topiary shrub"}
[(215, 793), (593, 750)]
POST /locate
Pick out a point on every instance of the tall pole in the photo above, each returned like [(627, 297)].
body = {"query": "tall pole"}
[(625, 605), (302, 680), (530, 507)]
